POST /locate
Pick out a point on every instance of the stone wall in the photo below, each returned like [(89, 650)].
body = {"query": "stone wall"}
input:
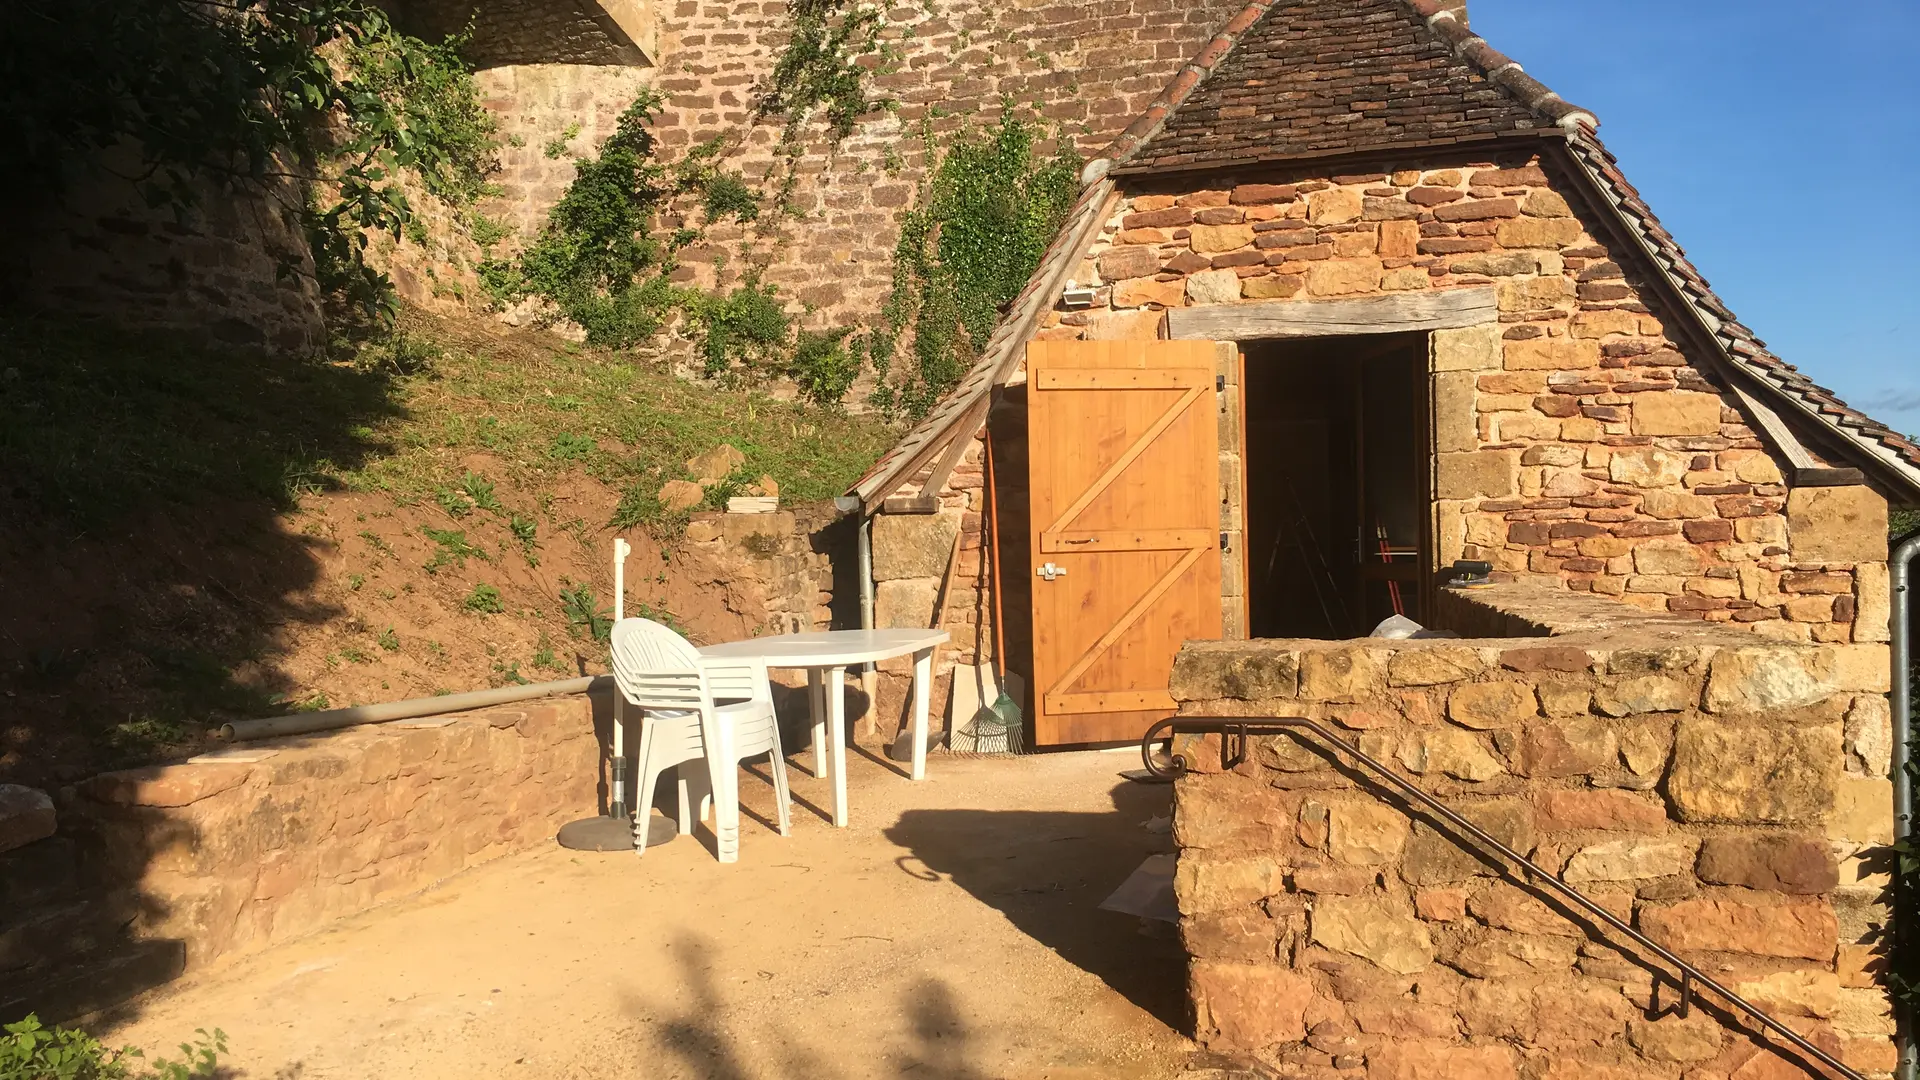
[(780, 564), (1729, 798), (161, 869), (1575, 437)]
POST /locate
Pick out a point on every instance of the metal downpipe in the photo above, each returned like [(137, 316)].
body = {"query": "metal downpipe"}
[(1900, 580), (867, 676)]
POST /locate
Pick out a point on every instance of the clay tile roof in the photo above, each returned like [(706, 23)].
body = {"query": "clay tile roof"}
[(1743, 349), (1292, 78)]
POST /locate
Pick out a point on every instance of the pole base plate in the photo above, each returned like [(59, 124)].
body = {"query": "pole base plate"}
[(613, 834)]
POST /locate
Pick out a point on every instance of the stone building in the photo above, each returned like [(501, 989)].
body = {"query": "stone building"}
[(1352, 299)]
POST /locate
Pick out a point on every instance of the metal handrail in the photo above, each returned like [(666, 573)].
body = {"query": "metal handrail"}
[(1233, 751)]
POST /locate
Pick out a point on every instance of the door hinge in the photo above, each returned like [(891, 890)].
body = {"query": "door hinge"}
[(1219, 384)]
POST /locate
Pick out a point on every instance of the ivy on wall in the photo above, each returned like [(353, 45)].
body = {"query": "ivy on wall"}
[(606, 257), (320, 105), (986, 215)]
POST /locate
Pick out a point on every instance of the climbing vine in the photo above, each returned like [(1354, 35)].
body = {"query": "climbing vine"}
[(607, 255), (986, 215), (320, 105)]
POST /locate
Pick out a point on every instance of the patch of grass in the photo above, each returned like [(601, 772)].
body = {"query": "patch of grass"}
[(660, 615), (373, 541), (97, 424), (544, 658), (508, 673), (453, 548), (354, 581), (483, 599), (567, 446), (479, 490), (388, 640), (354, 654), (455, 503)]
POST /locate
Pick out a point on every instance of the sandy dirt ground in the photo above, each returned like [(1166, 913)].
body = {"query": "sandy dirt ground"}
[(951, 931)]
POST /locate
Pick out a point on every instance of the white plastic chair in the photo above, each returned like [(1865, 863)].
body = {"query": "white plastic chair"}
[(697, 708)]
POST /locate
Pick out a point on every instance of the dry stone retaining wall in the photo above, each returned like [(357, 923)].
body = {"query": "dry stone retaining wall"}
[(236, 850), (1725, 796)]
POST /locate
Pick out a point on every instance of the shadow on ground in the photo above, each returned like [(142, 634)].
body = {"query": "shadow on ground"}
[(1047, 872)]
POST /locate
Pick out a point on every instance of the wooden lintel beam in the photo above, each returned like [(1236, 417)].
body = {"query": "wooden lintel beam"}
[(1441, 309)]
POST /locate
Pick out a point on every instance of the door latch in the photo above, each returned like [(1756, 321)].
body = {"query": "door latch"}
[(1049, 571)]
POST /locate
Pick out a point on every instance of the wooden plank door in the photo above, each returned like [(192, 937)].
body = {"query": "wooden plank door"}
[(1123, 467)]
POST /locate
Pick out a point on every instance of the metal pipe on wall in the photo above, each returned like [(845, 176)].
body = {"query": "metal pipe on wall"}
[(1900, 582), (867, 675), (412, 709)]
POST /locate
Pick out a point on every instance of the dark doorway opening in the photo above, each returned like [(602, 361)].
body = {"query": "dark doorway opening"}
[(1336, 483)]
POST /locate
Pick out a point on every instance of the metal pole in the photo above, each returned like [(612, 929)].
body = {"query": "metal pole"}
[(1900, 640), (617, 799)]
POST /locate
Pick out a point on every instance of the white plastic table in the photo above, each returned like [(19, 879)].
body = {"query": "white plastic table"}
[(825, 656)]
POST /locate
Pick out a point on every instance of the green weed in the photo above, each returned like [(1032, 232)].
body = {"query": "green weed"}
[(544, 658), (353, 654), (567, 446), (354, 581), (31, 1051), (584, 615), (373, 541), (388, 639), (479, 490), (506, 673), (453, 548), (484, 599)]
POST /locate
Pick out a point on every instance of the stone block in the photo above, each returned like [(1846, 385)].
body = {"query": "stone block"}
[(1754, 773), (1837, 524), (1869, 734), (1647, 467), (1632, 860), (1120, 263), (1644, 694), (1493, 473), (1761, 924), (1552, 354), (1369, 926), (1863, 811), (1271, 286), (1672, 1039), (906, 603), (1764, 678), (1564, 699), (1409, 1059), (1770, 862), (1248, 1006), (1863, 668), (1674, 505), (1139, 292), (1450, 752), (1454, 426), (1432, 857), (1433, 666), (1501, 954), (1366, 833), (164, 785), (913, 545), (1598, 808), (1213, 287), (1873, 618), (1473, 348), (1333, 206), (1566, 748), (26, 815), (1216, 239), (1231, 814), (1532, 232), (1244, 934), (1123, 326), (1484, 706), (1208, 884), (1671, 557), (1204, 671), (1338, 674), (1676, 412), (1344, 277)]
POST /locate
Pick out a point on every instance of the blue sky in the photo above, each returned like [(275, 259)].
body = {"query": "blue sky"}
[(1780, 142)]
